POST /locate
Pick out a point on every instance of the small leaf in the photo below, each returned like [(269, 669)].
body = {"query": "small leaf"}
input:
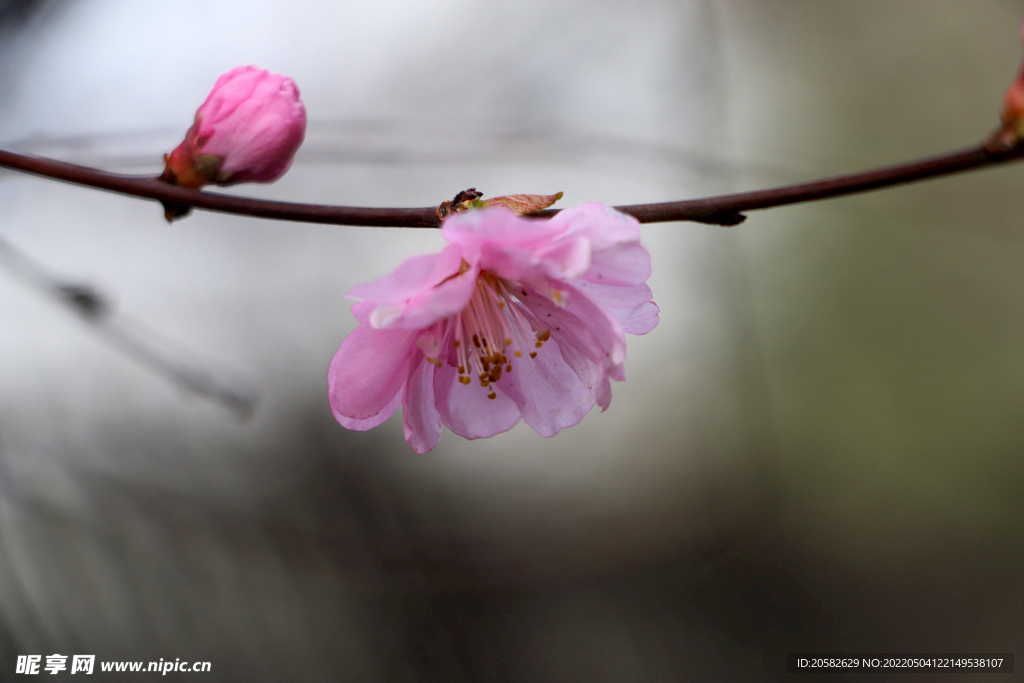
[(523, 203)]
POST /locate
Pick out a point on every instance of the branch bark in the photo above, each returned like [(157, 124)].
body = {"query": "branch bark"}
[(718, 210)]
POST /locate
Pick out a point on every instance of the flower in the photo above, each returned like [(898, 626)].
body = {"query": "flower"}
[(247, 130), (516, 318)]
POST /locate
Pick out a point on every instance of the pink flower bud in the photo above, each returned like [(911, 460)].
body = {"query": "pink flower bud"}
[(1013, 104), (247, 130)]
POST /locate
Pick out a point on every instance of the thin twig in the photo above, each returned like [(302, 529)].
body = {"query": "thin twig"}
[(719, 210), (130, 337)]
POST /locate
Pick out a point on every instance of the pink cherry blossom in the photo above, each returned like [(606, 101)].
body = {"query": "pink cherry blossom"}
[(516, 318), (247, 130)]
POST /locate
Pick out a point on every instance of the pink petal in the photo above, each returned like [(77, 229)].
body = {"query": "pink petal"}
[(559, 260), (516, 248), (565, 259), (260, 143), (547, 391), (420, 418), (368, 371), (230, 90), (466, 409), (412, 278), (584, 356), (369, 423), (510, 263), (603, 391), (499, 227), (602, 225), (601, 323), (595, 329), (632, 305), (430, 307), (620, 264), (590, 339), (618, 257)]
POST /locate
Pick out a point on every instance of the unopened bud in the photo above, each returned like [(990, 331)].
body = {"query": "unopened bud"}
[(1013, 105), (1011, 133), (247, 130)]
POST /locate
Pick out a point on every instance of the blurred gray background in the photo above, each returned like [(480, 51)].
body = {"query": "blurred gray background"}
[(819, 448)]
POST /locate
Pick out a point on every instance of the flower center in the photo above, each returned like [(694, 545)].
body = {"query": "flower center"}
[(492, 330)]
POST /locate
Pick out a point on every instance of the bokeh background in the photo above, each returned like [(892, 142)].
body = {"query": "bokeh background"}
[(821, 446)]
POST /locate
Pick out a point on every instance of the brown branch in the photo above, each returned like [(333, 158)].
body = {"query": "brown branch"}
[(151, 188), (726, 209), (719, 210)]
